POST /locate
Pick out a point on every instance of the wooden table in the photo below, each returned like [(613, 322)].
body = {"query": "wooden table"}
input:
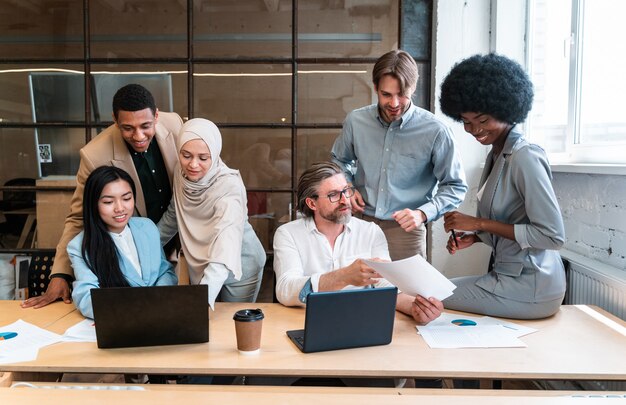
[(11, 311), (168, 394), (570, 345)]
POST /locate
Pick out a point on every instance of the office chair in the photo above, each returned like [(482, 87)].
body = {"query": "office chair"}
[(39, 272)]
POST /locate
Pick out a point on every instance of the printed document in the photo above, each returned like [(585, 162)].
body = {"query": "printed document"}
[(452, 331), (21, 341), (414, 275)]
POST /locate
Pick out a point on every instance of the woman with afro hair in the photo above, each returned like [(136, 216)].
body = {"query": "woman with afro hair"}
[(518, 214)]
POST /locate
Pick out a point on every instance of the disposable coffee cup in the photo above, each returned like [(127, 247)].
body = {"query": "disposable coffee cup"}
[(248, 324)]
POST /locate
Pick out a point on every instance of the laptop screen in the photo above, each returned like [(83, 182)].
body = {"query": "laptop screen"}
[(150, 316), (349, 318)]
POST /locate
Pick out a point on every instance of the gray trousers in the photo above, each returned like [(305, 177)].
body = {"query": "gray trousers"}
[(252, 263), (468, 297)]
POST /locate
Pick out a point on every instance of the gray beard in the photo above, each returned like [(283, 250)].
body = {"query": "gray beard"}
[(338, 218), (344, 219)]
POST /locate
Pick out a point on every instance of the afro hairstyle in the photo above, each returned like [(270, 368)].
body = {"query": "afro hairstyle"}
[(489, 84)]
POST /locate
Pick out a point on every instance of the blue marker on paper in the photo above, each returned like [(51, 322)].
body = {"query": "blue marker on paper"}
[(7, 335), (463, 322)]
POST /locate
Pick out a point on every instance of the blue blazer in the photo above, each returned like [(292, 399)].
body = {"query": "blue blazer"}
[(517, 189), (155, 269)]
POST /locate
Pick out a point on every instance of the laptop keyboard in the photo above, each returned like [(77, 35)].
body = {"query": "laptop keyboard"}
[(300, 340)]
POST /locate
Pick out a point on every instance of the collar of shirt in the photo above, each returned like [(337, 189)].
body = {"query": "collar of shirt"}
[(403, 120), (135, 154), (126, 244), (122, 235)]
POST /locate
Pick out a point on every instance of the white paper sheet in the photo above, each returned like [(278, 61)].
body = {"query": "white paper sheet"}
[(445, 332), (83, 331), (453, 337), (414, 275), (517, 330), (24, 346), (19, 355)]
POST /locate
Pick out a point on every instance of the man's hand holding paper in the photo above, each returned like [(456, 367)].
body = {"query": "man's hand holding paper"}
[(415, 276)]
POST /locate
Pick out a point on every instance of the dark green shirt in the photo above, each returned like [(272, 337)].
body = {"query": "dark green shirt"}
[(155, 183)]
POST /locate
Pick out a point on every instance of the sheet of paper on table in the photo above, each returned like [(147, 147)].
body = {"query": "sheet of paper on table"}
[(83, 331), (452, 331), (21, 341)]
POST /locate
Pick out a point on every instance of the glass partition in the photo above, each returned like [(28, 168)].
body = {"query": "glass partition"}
[(238, 93), (262, 155), (326, 93), (56, 91), (39, 29), (314, 145), (347, 29), (242, 28), (167, 83), (137, 29)]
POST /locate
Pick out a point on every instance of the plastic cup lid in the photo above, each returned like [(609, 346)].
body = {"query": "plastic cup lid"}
[(248, 315)]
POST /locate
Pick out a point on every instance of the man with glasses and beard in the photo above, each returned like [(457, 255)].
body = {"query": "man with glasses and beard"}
[(325, 248)]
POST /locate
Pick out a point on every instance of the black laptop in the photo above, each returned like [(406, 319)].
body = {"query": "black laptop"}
[(346, 319), (151, 316)]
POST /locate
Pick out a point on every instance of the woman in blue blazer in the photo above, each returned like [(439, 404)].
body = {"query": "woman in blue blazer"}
[(518, 213), (114, 249)]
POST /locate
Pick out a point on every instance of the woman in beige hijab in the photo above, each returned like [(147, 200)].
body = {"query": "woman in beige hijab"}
[(209, 204)]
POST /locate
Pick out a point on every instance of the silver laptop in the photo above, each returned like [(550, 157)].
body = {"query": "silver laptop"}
[(346, 319), (151, 316)]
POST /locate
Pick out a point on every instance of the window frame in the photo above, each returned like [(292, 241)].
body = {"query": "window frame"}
[(590, 157)]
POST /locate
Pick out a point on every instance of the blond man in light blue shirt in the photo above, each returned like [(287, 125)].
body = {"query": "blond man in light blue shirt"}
[(401, 159)]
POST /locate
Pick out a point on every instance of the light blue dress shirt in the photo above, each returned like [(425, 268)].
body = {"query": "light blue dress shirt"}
[(410, 163), (155, 269)]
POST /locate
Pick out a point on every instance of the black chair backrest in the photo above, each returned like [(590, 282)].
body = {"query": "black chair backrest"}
[(39, 272)]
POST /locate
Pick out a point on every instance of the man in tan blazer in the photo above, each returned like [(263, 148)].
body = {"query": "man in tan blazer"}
[(142, 142)]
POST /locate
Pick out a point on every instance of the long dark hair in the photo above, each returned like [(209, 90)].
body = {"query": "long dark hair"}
[(98, 248)]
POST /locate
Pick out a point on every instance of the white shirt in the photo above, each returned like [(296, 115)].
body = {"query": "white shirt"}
[(126, 245), (301, 253)]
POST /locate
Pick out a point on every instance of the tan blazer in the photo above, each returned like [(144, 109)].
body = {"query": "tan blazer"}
[(109, 149)]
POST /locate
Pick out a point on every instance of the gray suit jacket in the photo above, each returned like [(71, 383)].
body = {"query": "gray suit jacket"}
[(517, 189)]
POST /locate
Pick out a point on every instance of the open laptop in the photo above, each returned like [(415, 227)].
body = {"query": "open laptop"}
[(151, 316), (347, 318)]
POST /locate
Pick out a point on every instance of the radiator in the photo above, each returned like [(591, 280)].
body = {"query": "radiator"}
[(594, 283)]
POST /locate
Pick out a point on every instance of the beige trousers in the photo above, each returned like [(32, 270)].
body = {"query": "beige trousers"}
[(402, 244)]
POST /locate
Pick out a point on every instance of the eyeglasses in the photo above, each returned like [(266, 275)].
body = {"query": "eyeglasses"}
[(335, 196)]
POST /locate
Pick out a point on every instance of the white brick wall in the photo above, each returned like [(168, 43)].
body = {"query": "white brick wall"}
[(594, 212)]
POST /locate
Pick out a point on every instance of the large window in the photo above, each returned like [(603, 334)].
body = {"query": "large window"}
[(278, 77), (577, 67)]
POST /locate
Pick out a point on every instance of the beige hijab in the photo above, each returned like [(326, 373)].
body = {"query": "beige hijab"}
[(212, 211)]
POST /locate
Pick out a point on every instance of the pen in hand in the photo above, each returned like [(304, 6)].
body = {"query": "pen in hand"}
[(456, 243)]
